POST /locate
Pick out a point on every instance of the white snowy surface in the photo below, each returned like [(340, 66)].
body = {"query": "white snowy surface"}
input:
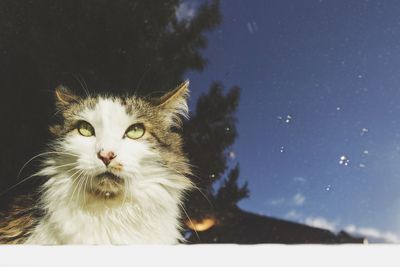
[(201, 255)]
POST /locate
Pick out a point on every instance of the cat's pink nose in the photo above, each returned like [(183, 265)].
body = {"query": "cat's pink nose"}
[(106, 156)]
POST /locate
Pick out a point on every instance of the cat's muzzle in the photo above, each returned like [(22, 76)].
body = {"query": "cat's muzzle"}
[(107, 185)]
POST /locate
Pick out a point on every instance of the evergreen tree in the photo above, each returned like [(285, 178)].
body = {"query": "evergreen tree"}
[(114, 45), (209, 135), (230, 193)]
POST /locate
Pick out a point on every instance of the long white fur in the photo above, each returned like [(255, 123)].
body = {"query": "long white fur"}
[(148, 211)]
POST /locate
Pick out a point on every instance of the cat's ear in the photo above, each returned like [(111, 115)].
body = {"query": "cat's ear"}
[(174, 103), (64, 96)]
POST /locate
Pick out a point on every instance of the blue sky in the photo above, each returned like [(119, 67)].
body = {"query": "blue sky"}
[(334, 68)]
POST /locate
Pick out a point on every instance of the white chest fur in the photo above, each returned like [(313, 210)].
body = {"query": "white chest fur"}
[(154, 219), (123, 226)]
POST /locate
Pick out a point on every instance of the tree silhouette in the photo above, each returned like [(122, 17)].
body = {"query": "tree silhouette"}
[(229, 194), (116, 45), (209, 135)]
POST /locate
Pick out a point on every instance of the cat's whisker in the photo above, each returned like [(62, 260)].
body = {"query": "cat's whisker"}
[(84, 183), (79, 191), (137, 88), (159, 160), (86, 177), (59, 110), (91, 182), (33, 175), (78, 79), (126, 188), (202, 193), (77, 167), (17, 184), (73, 181), (197, 188), (74, 168), (81, 178), (40, 155), (84, 85), (77, 181), (151, 162), (66, 165), (190, 220)]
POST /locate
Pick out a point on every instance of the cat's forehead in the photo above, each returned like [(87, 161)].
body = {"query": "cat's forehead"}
[(106, 107), (114, 108)]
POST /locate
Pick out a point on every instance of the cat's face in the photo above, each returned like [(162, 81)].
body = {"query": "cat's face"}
[(114, 147)]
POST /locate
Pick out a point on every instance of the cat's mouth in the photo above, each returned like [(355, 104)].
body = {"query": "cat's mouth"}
[(109, 175), (107, 185)]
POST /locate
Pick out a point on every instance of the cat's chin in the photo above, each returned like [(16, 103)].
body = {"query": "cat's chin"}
[(107, 186)]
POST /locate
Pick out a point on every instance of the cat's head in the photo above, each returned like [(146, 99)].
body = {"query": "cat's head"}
[(109, 147)]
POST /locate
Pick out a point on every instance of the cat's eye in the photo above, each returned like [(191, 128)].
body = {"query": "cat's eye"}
[(135, 131), (85, 129)]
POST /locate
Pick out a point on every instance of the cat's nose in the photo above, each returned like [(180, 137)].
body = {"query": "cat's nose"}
[(106, 156)]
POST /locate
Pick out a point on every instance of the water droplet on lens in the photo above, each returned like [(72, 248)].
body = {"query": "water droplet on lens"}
[(364, 131), (343, 160), (328, 187), (288, 119)]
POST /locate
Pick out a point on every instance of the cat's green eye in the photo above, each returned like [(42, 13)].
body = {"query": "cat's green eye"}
[(135, 131), (85, 129)]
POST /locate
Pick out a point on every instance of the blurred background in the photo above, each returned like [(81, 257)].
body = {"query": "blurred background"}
[(294, 126)]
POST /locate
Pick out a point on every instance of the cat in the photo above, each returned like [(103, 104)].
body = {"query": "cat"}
[(116, 174)]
